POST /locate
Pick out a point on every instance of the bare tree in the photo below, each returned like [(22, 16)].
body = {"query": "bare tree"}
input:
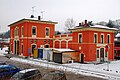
[(69, 23)]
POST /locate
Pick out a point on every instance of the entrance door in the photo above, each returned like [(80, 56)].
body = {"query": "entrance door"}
[(15, 52), (33, 46), (82, 58), (101, 54), (17, 47)]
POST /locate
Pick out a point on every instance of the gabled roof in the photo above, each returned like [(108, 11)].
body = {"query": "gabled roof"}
[(31, 19)]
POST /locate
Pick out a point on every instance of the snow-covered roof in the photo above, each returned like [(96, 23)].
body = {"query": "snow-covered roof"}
[(95, 26), (26, 70), (32, 19), (115, 39), (103, 27), (118, 35), (64, 50)]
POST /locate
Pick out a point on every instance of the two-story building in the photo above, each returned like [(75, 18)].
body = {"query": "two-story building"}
[(27, 34), (94, 43)]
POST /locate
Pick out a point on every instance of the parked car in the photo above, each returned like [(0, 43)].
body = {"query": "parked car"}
[(8, 71), (27, 74), (54, 75), (2, 63)]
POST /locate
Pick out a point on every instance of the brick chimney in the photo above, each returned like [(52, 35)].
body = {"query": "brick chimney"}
[(79, 24), (39, 18), (85, 22)]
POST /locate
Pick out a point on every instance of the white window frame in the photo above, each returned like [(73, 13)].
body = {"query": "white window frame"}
[(79, 38), (16, 31), (34, 35), (109, 38), (101, 38), (47, 36), (94, 37)]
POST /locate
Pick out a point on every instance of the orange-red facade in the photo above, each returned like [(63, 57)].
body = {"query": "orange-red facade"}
[(90, 42)]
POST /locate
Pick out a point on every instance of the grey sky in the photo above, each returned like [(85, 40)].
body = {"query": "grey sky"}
[(59, 10)]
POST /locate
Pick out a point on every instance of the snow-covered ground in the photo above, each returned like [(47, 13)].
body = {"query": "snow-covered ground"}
[(99, 70), (109, 71)]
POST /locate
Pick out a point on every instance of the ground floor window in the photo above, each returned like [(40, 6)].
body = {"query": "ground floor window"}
[(97, 53), (118, 51), (22, 49)]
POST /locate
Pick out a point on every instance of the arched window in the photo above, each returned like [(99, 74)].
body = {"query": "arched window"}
[(47, 31)]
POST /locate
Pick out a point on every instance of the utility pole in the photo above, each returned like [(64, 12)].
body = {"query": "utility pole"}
[(42, 13), (33, 10), (2, 41)]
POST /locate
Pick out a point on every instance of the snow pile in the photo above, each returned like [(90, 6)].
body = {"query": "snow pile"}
[(64, 50), (118, 35), (109, 71), (3, 51)]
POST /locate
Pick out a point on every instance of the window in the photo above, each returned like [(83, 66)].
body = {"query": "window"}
[(47, 31), (22, 49), (95, 38), (80, 38), (16, 31), (115, 51), (102, 38), (97, 53), (22, 31), (108, 38), (34, 30), (118, 51)]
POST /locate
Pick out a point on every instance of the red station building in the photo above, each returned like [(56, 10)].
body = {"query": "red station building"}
[(93, 43)]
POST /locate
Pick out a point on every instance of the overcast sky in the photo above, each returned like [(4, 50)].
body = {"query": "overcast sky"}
[(58, 11)]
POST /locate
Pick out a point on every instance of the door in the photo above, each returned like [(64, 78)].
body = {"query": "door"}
[(40, 55), (82, 58), (15, 47), (57, 57), (33, 46), (101, 54)]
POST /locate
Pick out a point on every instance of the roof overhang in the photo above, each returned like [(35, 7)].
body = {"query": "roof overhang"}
[(93, 29), (31, 20)]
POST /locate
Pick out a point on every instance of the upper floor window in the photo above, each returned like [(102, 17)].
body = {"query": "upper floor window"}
[(80, 38), (33, 30), (102, 38), (47, 31), (95, 38), (16, 31), (108, 38), (11, 35), (22, 31)]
